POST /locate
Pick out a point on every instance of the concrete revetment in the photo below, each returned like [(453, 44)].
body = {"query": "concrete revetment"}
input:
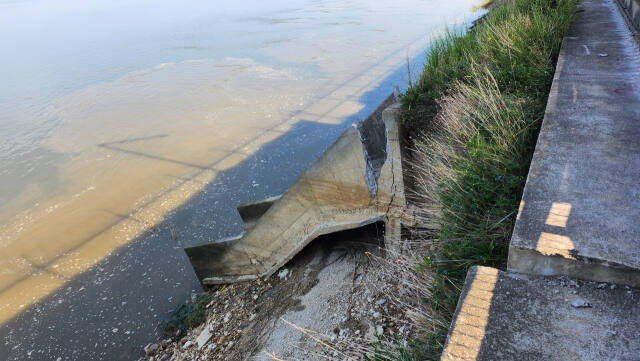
[(357, 181)]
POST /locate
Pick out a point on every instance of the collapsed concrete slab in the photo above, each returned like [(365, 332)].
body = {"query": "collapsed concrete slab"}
[(509, 316), (357, 181), (579, 212)]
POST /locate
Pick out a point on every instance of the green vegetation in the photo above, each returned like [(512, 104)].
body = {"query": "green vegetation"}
[(478, 105), (186, 316)]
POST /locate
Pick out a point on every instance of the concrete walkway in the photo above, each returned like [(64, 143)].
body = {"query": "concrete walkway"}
[(580, 209), (574, 257), (508, 316)]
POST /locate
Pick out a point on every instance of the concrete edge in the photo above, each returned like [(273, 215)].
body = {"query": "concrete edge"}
[(315, 233), (549, 109), (252, 211), (470, 346), (585, 268)]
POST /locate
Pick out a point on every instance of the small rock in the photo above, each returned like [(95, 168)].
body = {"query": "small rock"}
[(151, 349), (284, 274), (381, 301), (376, 314), (603, 55), (115, 330), (580, 303), (204, 336), (379, 330), (227, 317), (187, 345), (601, 286)]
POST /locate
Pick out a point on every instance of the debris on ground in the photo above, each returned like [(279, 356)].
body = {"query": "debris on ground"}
[(326, 302)]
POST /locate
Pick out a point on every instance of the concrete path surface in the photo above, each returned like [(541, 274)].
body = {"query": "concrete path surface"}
[(580, 209), (504, 316)]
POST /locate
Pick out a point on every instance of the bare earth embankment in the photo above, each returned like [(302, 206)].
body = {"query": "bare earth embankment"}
[(331, 301)]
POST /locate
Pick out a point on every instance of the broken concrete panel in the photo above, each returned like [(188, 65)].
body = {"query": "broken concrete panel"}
[(579, 213), (357, 181), (373, 135), (513, 317)]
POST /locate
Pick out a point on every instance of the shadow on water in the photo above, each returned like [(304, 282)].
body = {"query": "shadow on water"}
[(112, 310)]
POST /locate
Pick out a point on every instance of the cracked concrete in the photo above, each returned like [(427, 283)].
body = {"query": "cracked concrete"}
[(373, 135), (357, 181)]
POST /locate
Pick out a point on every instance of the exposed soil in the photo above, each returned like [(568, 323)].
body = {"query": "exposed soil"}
[(328, 302)]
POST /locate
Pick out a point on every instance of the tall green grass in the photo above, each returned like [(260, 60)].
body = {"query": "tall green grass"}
[(478, 106)]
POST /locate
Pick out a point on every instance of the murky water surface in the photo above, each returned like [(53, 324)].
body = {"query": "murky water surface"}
[(129, 129)]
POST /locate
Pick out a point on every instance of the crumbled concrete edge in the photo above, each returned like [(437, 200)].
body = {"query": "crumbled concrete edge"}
[(373, 134)]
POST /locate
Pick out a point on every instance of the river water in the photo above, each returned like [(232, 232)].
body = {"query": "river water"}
[(129, 129)]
